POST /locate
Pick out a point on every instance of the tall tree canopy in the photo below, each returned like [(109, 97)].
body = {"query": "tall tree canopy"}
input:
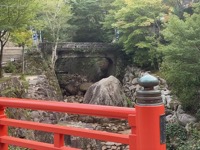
[(14, 14), (182, 58), (138, 25), (54, 16), (23, 38), (88, 16)]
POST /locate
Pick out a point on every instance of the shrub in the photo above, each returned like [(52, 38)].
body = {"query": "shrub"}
[(179, 139)]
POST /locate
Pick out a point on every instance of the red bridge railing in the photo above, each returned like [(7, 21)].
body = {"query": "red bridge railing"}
[(146, 121)]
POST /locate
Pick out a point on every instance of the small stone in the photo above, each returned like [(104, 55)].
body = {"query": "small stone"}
[(52, 117), (114, 147), (133, 87), (110, 143), (165, 92), (104, 147), (135, 81)]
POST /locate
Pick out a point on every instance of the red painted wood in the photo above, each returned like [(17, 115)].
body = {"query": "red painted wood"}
[(3, 130), (31, 144), (86, 133), (84, 109), (58, 140), (148, 127), (60, 131), (133, 135)]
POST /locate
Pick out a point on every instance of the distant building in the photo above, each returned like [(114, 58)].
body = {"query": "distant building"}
[(11, 52)]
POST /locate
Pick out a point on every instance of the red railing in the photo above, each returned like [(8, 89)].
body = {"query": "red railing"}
[(147, 121), (60, 131)]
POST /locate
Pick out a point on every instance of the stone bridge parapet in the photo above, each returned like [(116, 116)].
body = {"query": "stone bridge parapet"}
[(93, 60)]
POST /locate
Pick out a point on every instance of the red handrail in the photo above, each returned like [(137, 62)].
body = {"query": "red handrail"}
[(74, 108), (60, 131)]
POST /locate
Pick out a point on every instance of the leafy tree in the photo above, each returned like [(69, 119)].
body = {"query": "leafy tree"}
[(178, 7), (54, 16), (110, 19), (22, 38), (138, 23), (88, 16), (14, 14), (182, 58)]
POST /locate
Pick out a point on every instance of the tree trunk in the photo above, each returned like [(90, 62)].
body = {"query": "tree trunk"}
[(4, 36), (1, 56), (23, 66), (54, 55)]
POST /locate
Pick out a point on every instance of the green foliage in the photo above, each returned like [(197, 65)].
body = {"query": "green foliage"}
[(176, 7), (176, 136), (53, 17), (22, 37), (179, 139), (14, 15), (139, 25), (181, 61), (198, 114), (13, 67), (88, 16), (9, 68)]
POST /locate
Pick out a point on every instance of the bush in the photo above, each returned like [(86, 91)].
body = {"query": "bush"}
[(181, 59), (9, 68), (179, 139), (176, 136)]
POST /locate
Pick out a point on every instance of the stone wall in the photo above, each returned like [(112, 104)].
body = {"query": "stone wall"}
[(93, 60), (11, 54)]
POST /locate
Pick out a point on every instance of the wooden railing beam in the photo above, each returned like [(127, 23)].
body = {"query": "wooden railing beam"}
[(31, 144), (83, 109), (86, 133)]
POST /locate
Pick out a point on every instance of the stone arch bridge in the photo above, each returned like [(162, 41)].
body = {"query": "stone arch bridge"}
[(93, 60)]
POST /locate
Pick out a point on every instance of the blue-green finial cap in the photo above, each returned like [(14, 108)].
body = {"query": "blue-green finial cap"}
[(148, 96), (148, 81)]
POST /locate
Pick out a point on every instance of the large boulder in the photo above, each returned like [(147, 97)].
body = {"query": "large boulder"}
[(107, 91)]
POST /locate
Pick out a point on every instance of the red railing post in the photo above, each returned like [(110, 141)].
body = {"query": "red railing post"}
[(3, 130), (150, 116), (132, 136), (58, 140)]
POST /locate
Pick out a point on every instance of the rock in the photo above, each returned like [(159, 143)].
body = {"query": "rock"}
[(184, 118), (138, 87), (163, 82), (125, 131), (168, 99), (35, 114), (157, 87), (174, 104), (126, 79), (39, 88), (133, 87), (135, 81), (74, 99), (84, 86), (165, 92), (79, 142), (171, 118), (163, 99), (107, 91), (71, 88), (33, 82)]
